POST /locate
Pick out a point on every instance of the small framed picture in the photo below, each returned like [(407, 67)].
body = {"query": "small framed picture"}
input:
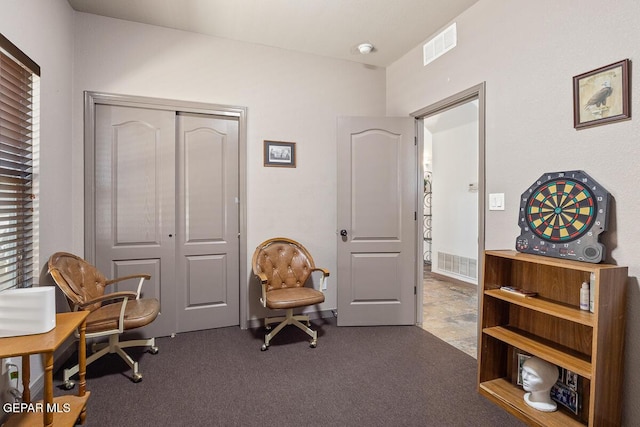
[(571, 380), (280, 154), (601, 96), (566, 397), (521, 359)]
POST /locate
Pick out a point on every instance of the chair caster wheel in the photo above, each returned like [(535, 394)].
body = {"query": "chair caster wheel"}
[(68, 385), (264, 347), (153, 350), (136, 377), (313, 344)]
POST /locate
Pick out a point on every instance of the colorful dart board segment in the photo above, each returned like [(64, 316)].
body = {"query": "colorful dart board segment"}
[(561, 215)]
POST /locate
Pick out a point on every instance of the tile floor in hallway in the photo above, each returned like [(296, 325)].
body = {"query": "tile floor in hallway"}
[(451, 311)]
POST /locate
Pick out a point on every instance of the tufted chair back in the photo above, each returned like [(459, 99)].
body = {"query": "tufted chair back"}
[(285, 263), (78, 280)]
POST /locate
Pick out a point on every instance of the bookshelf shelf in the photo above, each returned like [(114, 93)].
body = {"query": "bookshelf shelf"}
[(507, 395), (545, 306)]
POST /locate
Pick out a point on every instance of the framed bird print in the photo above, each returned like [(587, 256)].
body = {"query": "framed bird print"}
[(601, 96)]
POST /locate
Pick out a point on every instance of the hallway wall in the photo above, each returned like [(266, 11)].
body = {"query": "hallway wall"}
[(455, 147)]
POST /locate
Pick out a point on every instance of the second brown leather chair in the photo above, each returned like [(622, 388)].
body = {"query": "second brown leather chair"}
[(283, 267)]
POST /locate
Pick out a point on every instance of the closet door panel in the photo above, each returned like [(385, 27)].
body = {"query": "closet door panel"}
[(136, 210), (208, 245), (135, 203), (204, 185)]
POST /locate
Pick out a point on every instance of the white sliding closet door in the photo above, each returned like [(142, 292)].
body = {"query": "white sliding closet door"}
[(166, 188), (207, 240)]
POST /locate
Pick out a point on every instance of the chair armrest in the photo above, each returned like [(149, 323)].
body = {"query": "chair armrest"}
[(324, 271), (123, 295), (107, 297), (263, 282), (142, 278), (133, 276), (261, 277), (323, 279)]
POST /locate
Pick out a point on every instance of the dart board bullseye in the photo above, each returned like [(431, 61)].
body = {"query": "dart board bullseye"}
[(561, 215), (560, 211)]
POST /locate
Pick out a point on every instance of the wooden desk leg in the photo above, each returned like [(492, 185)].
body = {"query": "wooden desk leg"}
[(26, 379), (48, 388), (82, 368)]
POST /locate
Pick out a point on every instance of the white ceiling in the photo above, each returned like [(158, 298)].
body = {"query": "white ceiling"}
[(330, 28)]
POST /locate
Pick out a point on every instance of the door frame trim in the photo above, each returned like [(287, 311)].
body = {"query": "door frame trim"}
[(475, 92), (91, 99)]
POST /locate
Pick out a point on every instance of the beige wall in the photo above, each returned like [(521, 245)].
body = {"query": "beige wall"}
[(527, 53), (289, 96)]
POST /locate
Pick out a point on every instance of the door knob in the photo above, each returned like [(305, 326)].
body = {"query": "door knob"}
[(343, 233)]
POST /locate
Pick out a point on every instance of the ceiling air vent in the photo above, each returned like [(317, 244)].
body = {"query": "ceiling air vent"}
[(440, 44)]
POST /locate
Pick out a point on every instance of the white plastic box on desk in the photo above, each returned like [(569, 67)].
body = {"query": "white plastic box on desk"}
[(27, 311)]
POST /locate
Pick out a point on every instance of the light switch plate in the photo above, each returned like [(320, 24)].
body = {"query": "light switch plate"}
[(496, 201)]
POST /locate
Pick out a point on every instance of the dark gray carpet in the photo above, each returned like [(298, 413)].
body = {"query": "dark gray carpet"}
[(363, 376)]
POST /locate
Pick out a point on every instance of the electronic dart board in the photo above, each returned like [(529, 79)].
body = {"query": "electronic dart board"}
[(561, 215)]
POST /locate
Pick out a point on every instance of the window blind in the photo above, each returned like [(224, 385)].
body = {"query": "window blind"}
[(19, 87)]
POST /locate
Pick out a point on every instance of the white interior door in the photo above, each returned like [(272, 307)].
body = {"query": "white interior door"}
[(135, 203), (377, 219), (207, 239)]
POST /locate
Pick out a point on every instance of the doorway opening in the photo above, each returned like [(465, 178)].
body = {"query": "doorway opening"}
[(451, 151)]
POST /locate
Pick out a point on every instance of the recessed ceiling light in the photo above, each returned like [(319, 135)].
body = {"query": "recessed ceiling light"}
[(365, 48)]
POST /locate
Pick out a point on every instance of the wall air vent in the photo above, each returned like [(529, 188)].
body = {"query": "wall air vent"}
[(440, 44), (458, 265)]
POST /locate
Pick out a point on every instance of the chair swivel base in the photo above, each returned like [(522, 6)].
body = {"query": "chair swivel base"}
[(113, 346), (289, 319)]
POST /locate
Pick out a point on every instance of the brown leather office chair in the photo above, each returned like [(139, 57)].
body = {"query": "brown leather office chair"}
[(283, 266), (111, 313)]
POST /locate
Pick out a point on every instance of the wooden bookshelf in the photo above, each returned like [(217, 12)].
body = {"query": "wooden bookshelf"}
[(552, 327)]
